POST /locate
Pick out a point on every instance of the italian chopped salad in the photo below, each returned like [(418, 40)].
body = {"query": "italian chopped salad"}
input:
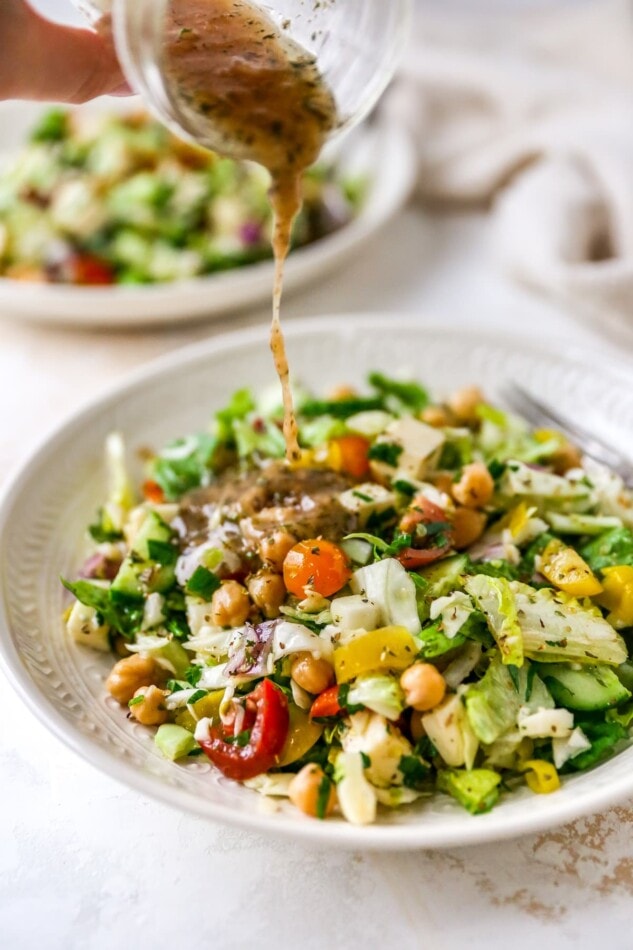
[(435, 600), (98, 199)]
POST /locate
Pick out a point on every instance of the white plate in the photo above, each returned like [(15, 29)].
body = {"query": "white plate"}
[(54, 496), (382, 152)]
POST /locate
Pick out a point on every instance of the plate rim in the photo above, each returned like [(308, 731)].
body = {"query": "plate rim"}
[(374, 837)]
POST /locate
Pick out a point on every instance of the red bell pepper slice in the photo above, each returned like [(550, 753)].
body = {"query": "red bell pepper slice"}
[(326, 704), (269, 730)]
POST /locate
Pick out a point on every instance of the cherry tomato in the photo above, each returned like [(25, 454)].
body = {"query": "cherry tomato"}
[(320, 565), (153, 492), (326, 704), (423, 511), (348, 454), (267, 710), (413, 558), (87, 270)]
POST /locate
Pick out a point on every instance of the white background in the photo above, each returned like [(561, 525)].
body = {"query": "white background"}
[(84, 863)]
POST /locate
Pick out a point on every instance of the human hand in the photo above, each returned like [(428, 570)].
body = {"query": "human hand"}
[(46, 61)]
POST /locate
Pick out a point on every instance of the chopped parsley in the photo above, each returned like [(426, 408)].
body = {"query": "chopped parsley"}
[(202, 583)]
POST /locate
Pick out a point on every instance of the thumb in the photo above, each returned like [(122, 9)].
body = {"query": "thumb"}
[(47, 61)]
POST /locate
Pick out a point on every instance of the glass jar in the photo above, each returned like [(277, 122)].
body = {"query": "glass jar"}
[(357, 45)]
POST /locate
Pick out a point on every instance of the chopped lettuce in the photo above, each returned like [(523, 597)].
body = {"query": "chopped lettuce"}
[(493, 704), (379, 692), (603, 736), (609, 548), (495, 600), (558, 627)]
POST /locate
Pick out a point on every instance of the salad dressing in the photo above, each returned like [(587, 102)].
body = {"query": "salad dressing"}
[(244, 88)]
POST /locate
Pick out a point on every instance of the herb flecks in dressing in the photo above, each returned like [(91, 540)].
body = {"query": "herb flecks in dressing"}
[(244, 88)]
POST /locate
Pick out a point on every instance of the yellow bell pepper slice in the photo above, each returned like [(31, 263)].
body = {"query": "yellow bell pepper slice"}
[(541, 776), (388, 648), (617, 594), (206, 706), (303, 732), (564, 568)]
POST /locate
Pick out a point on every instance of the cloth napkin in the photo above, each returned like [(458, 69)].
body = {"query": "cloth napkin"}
[(533, 114)]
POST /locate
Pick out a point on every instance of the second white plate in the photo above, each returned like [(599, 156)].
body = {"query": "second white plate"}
[(382, 153)]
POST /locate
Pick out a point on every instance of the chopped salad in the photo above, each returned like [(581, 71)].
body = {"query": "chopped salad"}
[(98, 199), (436, 600)]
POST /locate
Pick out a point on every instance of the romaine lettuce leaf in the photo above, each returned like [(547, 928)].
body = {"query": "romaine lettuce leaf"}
[(558, 627), (495, 600), (609, 548), (493, 704)]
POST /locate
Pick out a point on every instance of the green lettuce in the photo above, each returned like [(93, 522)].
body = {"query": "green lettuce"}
[(492, 704), (495, 600)]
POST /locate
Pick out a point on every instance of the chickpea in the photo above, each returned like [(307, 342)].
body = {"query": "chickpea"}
[(274, 548), (464, 402), (475, 487), (313, 674), (342, 392), (308, 789), (130, 674), (230, 605), (151, 711), (416, 725), (424, 686), (566, 457), (443, 481), (468, 527), (435, 416), (268, 592), (120, 647)]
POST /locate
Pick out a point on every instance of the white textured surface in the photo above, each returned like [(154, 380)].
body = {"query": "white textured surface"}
[(85, 863)]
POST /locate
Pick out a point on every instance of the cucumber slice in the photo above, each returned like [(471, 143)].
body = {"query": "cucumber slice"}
[(153, 528), (444, 576), (174, 741), (590, 689)]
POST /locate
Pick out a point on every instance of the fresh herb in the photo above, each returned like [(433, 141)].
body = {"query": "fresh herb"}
[(202, 583), (323, 797), (339, 408), (162, 552), (514, 676), (387, 452), (136, 700), (411, 395), (199, 694), (405, 488), (240, 740), (103, 531), (414, 771), (193, 674)]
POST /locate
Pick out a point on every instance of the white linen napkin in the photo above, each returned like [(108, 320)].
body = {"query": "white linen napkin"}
[(534, 115)]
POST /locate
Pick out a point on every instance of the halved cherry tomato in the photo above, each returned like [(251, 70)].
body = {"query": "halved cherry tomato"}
[(153, 492), (268, 736), (413, 558), (423, 511), (87, 270), (326, 704), (348, 453), (317, 564)]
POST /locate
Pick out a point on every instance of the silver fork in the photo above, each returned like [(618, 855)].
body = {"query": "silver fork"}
[(536, 412)]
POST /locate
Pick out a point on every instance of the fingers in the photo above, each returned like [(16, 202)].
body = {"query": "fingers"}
[(46, 61)]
